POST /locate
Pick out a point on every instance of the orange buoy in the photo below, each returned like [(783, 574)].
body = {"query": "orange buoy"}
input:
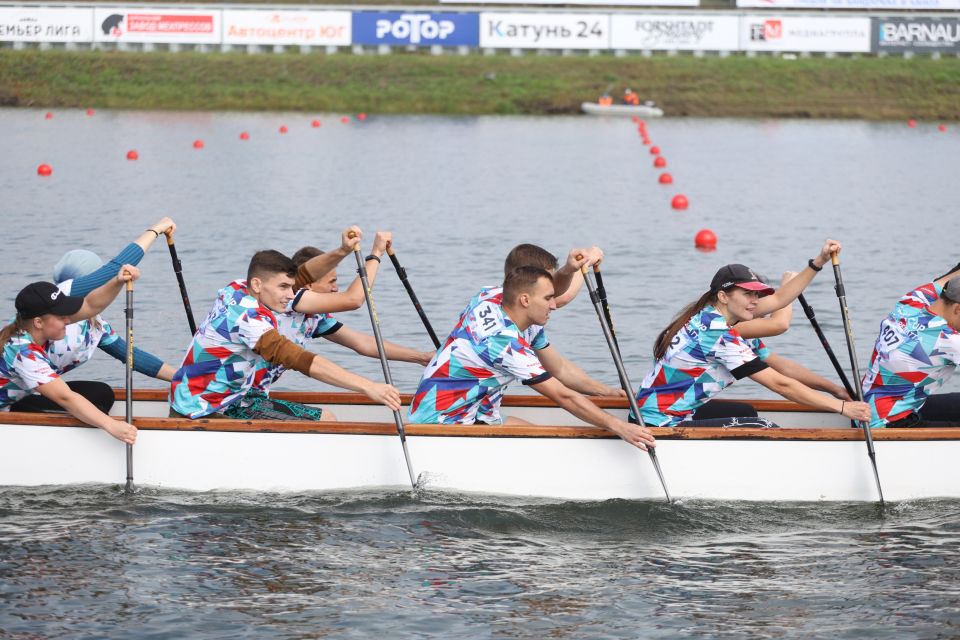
[(44, 170), (90, 112), (345, 119), (244, 135), (654, 151), (705, 239), (48, 116), (198, 144), (666, 178), (679, 202), (283, 128), (659, 162), (361, 116), (315, 124), (911, 123), (133, 155), (942, 128)]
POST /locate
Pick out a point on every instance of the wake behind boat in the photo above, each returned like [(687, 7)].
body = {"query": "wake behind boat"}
[(594, 109), (814, 456)]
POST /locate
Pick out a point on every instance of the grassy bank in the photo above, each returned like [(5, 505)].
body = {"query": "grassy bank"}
[(867, 88)]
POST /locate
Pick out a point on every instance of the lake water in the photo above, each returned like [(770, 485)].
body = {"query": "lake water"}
[(458, 193)]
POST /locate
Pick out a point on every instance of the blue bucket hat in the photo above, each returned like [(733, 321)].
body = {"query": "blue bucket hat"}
[(76, 263)]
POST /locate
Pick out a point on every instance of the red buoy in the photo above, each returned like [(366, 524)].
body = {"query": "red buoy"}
[(361, 116), (654, 151), (666, 178), (705, 239), (679, 202), (90, 112), (642, 123), (646, 141), (942, 128), (283, 128), (345, 120), (659, 162), (911, 123), (315, 124), (244, 136), (48, 116), (44, 170), (133, 155), (635, 119), (198, 144)]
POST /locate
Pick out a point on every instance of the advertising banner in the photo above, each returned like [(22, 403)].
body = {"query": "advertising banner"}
[(416, 28), (805, 33), (680, 32), (27, 24), (144, 24), (258, 26), (920, 35), (891, 5), (545, 30)]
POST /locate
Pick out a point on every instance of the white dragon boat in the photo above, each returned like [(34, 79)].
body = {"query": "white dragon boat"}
[(641, 110), (812, 456)]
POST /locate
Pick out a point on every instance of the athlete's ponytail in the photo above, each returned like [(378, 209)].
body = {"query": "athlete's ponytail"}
[(663, 341)]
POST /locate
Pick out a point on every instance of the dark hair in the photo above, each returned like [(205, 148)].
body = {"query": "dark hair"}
[(522, 280), (662, 343), (268, 263), (305, 253), (529, 255)]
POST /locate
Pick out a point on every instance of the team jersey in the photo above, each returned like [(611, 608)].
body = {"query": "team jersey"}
[(915, 353), (299, 328), (80, 343), (220, 366), (706, 356), (24, 367), (483, 354)]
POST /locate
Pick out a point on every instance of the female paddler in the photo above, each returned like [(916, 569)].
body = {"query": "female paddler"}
[(701, 352), (43, 314)]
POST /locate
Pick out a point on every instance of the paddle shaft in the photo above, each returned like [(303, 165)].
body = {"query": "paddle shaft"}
[(362, 272), (855, 368), (621, 372), (413, 297), (178, 269), (602, 292), (128, 392), (808, 310)]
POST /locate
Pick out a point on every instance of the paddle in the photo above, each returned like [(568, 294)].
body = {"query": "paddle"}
[(867, 436), (178, 269), (129, 390), (602, 292), (413, 297), (383, 358), (808, 310), (621, 372)]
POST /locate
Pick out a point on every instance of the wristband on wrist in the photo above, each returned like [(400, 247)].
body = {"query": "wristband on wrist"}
[(813, 266), (842, 404), (155, 231), (372, 257)]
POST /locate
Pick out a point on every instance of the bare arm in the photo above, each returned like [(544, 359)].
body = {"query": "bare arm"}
[(166, 372), (163, 225), (573, 288), (638, 436), (366, 345), (795, 370), (950, 276), (323, 264), (573, 376), (789, 291), (83, 410), (352, 298), (798, 392), (775, 324), (325, 371), (101, 297)]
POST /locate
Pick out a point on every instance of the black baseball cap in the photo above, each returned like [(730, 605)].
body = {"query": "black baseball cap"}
[(40, 298), (737, 275)]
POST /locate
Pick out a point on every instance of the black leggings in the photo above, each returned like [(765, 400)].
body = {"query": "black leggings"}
[(727, 413), (99, 393), (942, 410)]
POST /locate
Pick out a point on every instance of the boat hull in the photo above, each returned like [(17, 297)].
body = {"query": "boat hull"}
[(594, 109), (562, 462)]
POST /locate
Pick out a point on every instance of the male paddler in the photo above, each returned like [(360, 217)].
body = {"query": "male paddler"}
[(917, 351), (237, 343), (489, 349)]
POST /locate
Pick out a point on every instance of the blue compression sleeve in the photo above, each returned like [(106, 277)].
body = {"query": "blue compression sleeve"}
[(131, 254), (143, 362)]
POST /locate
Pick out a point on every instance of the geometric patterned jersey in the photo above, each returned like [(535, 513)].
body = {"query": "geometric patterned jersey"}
[(485, 352), (24, 367), (696, 367), (915, 353), (220, 366)]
